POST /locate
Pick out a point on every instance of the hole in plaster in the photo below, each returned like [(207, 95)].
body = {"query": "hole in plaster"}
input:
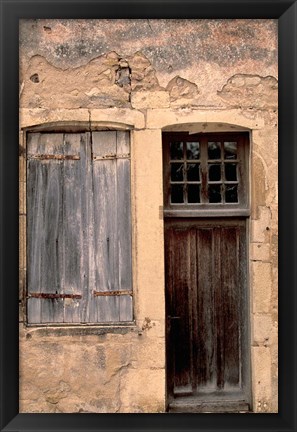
[(34, 78)]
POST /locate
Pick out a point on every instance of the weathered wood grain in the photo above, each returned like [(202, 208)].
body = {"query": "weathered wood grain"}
[(206, 367), (79, 227), (104, 144), (205, 288), (229, 306), (123, 200)]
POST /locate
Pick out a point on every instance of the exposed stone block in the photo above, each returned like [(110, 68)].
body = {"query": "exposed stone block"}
[(180, 88), (160, 118), (243, 90), (118, 117), (263, 330), (260, 251), (143, 75), (146, 99), (261, 367), (39, 116), (143, 392), (260, 228), (92, 85), (261, 286)]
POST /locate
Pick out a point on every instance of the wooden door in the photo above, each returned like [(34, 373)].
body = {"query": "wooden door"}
[(207, 311)]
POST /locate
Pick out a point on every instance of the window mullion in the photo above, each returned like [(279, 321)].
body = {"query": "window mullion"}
[(203, 158)]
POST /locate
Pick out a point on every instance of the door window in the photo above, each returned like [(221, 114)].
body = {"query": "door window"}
[(205, 171)]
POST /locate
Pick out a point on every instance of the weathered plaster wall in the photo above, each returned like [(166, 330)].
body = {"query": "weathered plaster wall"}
[(146, 75)]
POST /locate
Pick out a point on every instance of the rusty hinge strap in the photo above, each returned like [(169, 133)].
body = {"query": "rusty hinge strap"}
[(111, 156), (54, 296), (55, 156), (112, 293)]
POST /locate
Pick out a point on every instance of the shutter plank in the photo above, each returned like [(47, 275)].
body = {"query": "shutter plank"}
[(87, 228), (53, 262), (107, 309), (45, 221), (126, 308), (45, 143), (72, 310), (124, 224), (105, 229), (104, 144), (51, 251), (123, 143), (72, 228), (35, 216), (34, 310), (52, 311)]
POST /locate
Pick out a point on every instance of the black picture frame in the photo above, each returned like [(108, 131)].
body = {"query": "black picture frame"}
[(286, 13)]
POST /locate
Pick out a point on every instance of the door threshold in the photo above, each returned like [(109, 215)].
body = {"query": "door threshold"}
[(197, 405)]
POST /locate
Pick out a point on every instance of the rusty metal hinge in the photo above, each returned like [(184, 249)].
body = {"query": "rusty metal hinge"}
[(111, 156), (112, 293), (55, 157), (54, 296)]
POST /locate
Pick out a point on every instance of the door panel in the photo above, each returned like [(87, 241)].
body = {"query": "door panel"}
[(206, 308)]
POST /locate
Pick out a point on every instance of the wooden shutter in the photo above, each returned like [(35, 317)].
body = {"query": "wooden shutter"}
[(79, 228), (112, 266)]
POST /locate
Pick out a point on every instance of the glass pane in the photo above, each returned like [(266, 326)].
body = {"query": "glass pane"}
[(214, 150), (176, 150), (193, 193), (177, 193), (231, 194), (193, 172), (214, 172), (230, 172), (177, 172), (230, 150), (193, 150), (214, 193)]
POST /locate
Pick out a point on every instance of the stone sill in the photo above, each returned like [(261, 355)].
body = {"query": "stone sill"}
[(79, 329)]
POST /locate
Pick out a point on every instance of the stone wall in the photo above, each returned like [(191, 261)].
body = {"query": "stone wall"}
[(218, 75)]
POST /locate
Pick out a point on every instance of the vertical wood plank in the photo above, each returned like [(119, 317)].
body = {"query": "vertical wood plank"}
[(72, 310), (52, 249), (105, 225), (123, 143), (105, 233), (218, 301), (243, 305), (45, 220), (45, 143), (230, 299), (104, 144), (35, 225), (182, 325), (34, 310), (124, 226), (108, 309), (72, 227), (206, 365), (125, 308), (123, 211), (86, 220), (169, 290)]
